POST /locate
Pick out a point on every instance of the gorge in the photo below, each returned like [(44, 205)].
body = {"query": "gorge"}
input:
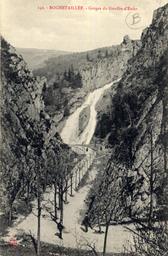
[(84, 137)]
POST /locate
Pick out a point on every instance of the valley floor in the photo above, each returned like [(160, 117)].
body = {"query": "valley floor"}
[(73, 235)]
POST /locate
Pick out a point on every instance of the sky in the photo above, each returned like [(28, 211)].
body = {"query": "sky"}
[(25, 25)]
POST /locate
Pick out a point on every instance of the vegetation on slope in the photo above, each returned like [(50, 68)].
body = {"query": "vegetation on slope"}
[(136, 130), (33, 157)]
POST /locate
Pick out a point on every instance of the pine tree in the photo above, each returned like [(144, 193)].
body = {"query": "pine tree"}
[(87, 57), (106, 54)]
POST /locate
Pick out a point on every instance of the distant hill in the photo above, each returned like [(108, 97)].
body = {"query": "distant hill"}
[(70, 77), (79, 60), (89, 64), (36, 58)]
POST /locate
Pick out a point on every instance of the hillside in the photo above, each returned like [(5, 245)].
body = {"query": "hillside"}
[(134, 123), (90, 64), (36, 58), (29, 140), (118, 181), (71, 77)]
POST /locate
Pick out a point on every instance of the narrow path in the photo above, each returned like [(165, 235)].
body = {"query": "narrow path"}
[(73, 235)]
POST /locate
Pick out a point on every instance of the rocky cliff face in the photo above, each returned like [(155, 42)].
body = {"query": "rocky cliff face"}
[(109, 67), (96, 68), (27, 132), (135, 123)]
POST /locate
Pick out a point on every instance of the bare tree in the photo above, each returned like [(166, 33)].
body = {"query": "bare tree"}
[(39, 187), (153, 242), (151, 179), (109, 192)]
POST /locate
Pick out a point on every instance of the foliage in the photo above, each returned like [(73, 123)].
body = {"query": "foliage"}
[(151, 242), (74, 78)]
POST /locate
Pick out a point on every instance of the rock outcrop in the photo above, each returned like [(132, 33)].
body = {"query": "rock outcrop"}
[(109, 67), (96, 68), (28, 134), (135, 124), (84, 119)]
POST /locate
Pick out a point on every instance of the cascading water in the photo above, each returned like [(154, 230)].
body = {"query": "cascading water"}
[(70, 132)]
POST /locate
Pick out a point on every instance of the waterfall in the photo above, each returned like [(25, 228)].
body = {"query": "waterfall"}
[(70, 132)]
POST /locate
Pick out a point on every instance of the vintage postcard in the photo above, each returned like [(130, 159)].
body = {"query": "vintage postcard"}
[(84, 128)]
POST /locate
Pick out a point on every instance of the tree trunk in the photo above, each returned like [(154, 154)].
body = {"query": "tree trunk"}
[(165, 125), (59, 206), (38, 223), (151, 182), (62, 206), (66, 192), (10, 214), (55, 200), (76, 177), (28, 192), (71, 194), (99, 224), (105, 239), (79, 175)]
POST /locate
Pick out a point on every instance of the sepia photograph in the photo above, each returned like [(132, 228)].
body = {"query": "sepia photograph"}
[(84, 128)]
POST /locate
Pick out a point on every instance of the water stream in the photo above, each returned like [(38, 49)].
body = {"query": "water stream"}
[(70, 132)]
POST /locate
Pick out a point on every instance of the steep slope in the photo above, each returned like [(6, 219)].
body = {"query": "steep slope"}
[(135, 123), (72, 77), (94, 66), (28, 133)]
